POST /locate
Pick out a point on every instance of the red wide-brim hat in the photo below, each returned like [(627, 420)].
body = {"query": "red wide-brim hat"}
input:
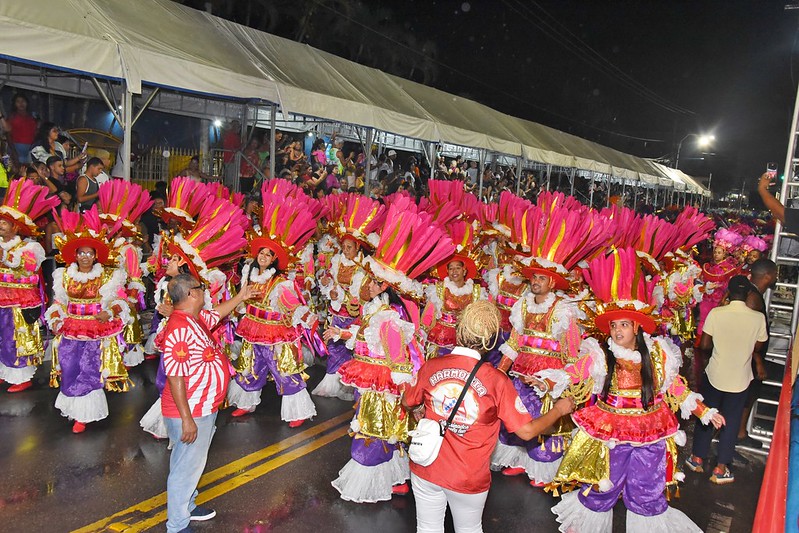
[(603, 321), (561, 283), (468, 264), (24, 225), (362, 242), (281, 256), (70, 249), (170, 213), (176, 249)]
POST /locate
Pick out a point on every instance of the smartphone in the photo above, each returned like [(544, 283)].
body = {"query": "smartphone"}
[(771, 168)]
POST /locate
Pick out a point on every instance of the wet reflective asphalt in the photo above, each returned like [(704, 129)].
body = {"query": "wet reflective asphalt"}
[(261, 476)]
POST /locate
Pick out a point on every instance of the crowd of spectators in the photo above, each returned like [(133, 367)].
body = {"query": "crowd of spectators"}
[(41, 151)]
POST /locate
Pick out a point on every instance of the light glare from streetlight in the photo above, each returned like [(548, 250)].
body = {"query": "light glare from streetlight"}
[(705, 140)]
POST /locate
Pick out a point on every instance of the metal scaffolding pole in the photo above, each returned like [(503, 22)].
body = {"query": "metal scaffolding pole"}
[(146, 104), (127, 127), (518, 174), (623, 188), (482, 171), (272, 148), (370, 132), (572, 177), (433, 160)]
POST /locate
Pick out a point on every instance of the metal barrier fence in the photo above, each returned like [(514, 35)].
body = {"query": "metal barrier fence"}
[(162, 163)]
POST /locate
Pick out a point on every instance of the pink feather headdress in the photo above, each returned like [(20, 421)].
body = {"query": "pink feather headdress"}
[(727, 239), (218, 190), (742, 229), (410, 244), (402, 196), (121, 200), (216, 239), (442, 191), (471, 207), (282, 187), (443, 213), (287, 224), (655, 237), (85, 231), (753, 242), (511, 221), (355, 216), (694, 226), (627, 223), (25, 203), (487, 214), (186, 199), (467, 250), (548, 199), (559, 237), (621, 289)]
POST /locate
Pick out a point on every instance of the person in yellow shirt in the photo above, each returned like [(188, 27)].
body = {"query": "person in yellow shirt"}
[(734, 334)]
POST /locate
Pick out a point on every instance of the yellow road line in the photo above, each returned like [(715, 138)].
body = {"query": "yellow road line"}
[(217, 474), (244, 478)]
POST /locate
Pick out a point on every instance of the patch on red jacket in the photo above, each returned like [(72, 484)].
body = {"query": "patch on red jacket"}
[(209, 354), (180, 352)]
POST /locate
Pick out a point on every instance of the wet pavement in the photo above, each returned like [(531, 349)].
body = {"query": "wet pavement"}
[(261, 476)]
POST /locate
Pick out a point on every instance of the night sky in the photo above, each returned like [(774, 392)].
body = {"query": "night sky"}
[(634, 75)]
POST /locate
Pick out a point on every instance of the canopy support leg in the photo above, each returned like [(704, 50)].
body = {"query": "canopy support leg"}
[(111, 107), (272, 130), (482, 171), (572, 177), (127, 130), (370, 133), (146, 104)]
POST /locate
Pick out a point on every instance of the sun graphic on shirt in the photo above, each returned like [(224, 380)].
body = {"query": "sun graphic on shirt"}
[(445, 396)]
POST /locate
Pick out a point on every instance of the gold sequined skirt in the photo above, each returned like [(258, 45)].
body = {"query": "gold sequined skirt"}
[(382, 416), (28, 338)]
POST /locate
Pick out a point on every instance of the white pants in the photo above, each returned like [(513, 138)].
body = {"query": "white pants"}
[(431, 506)]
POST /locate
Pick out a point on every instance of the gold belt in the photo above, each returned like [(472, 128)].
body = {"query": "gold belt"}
[(628, 411), (85, 317), (7, 285), (399, 367), (267, 322), (539, 351)]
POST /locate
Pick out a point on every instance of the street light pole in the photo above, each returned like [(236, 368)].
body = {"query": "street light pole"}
[(704, 140)]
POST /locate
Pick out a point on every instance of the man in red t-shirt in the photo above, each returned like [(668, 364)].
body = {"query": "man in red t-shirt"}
[(231, 144), (198, 373), (460, 475)]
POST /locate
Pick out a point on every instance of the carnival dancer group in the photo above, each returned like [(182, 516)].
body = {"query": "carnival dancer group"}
[(596, 306)]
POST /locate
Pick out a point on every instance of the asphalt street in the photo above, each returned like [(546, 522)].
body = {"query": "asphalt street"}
[(261, 475)]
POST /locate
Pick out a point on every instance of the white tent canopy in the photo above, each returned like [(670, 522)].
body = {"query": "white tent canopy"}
[(164, 44)]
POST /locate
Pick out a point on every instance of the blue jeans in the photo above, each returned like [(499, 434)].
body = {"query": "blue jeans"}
[(731, 405), (23, 152), (186, 465)]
